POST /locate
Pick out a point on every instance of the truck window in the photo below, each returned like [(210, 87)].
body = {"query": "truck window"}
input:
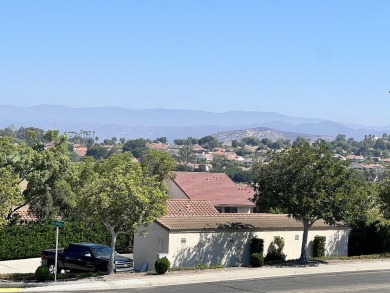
[(74, 250), (84, 251)]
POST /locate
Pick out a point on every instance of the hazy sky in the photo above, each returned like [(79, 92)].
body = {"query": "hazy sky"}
[(325, 59)]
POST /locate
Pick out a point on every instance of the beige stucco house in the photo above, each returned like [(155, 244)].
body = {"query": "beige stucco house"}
[(193, 232), (217, 188)]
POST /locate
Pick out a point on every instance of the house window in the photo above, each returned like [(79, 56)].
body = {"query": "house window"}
[(219, 210), (296, 237), (232, 210), (183, 241), (160, 245)]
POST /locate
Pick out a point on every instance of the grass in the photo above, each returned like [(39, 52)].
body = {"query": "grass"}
[(200, 266)]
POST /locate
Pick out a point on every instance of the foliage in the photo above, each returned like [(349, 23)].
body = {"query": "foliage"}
[(162, 265), (319, 246), (28, 240), (209, 142), (42, 273), (122, 197), (97, 152), (384, 195), (256, 260), (41, 166), (257, 246), (369, 238), (158, 163), (239, 176), (186, 154), (135, 146), (274, 256), (10, 195), (308, 184), (276, 251)]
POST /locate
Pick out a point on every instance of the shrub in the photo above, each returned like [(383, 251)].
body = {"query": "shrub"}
[(256, 260), (319, 246), (42, 273), (257, 246), (276, 252), (275, 256), (162, 265)]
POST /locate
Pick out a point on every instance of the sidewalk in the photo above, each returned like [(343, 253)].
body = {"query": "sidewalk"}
[(177, 278)]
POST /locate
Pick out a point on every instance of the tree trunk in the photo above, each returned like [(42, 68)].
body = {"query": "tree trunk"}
[(306, 227), (111, 265)]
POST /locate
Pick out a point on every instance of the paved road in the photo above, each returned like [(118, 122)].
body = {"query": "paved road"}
[(370, 282)]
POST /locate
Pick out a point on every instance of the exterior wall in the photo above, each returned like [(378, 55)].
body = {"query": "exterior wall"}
[(232, 248), (148, 246), (174, 191)]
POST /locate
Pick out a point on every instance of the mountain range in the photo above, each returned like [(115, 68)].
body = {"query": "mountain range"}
[(173, 123)]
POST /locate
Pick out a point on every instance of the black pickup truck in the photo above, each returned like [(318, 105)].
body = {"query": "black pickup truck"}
[(85, 257)]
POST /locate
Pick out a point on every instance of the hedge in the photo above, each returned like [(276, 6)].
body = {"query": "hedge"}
[(319, 246), (26, 241)]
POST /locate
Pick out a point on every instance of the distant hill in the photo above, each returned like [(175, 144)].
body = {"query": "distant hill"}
[(262, 132), (151, 123)]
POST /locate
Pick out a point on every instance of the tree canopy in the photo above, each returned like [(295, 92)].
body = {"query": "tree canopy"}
[(308, 184), (41, 167), (121, 196)]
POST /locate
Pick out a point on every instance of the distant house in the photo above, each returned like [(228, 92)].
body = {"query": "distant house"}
[(80, 150), (217, 188), (355, 158), (193, 233)]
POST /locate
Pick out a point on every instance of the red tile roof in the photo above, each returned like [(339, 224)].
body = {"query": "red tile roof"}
[(188, 207), (259, 222), (217, 188)]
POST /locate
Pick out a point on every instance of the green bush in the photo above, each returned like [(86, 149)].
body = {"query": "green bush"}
[(42, 273), (257, 246), (256, 260), (28, 240), (276, 252), (162, 265), (275, 256), (319, 246)]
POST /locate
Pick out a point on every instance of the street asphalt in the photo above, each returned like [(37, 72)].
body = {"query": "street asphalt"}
[(30, 265)]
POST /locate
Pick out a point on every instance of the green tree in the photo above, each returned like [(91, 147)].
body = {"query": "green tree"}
[(250, 140), (308, 184), (157, 163), (97, 152), (135, 146), (42, 166), (186, 154), (384, 195), (209, 142), (122, 197), (10, 195)]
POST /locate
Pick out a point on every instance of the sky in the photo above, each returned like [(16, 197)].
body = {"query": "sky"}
[(325, 59)]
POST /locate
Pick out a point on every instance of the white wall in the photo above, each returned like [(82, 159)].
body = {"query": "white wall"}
[(147, 246), (228, 248), (174, 191), (232, 248)]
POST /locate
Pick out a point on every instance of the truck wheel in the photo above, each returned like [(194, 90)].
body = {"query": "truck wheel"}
[(51, 267)]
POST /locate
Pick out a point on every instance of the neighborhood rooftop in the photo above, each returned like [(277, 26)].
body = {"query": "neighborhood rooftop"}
[(187, 208), (260, 222), (217, 188)]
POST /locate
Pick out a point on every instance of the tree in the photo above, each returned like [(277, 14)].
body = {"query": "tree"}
[(122, 197), (42, 167), (209, 142), (308, 184), (97, 152), (251, 140), (157, 163), (384, 195), (186, 154), (135, 146), (10, 195)]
